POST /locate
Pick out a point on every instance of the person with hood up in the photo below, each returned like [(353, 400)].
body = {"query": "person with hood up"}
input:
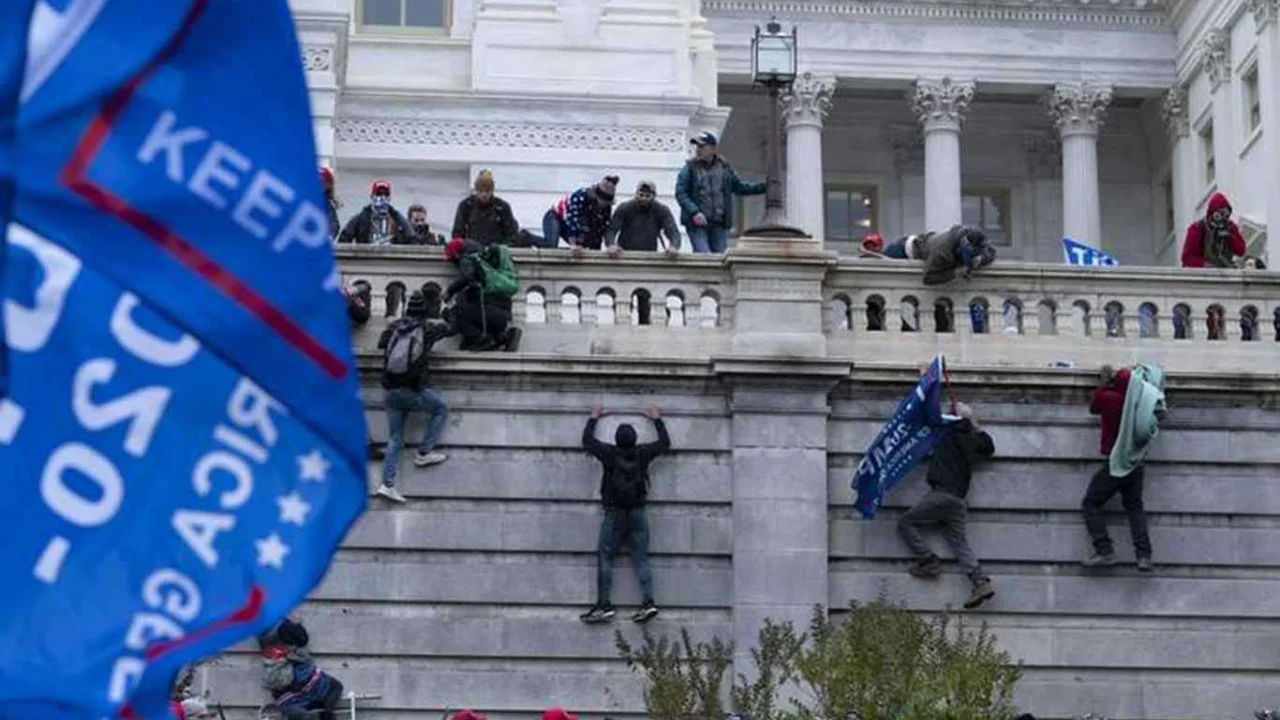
[(485, 218), (1215, 240), (950, 472), (327, 181), (378, 223), (624, 490), (581, 218), (192, 708), (299, 689), (705, 188), (1129, 409)]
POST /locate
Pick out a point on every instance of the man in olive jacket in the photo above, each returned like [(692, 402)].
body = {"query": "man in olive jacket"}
[(705, 189)]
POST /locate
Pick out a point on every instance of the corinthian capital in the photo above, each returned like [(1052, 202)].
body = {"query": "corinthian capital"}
[(1215, 56), (1079, 108), (941, 103), (1177, 119), (1264, 12), (809, 99)]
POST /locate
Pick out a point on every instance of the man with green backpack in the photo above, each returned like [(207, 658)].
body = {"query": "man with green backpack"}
[(485, 287)]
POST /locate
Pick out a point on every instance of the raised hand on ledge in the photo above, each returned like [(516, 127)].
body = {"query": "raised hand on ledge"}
[(615, 251), (653, 412), (578, 252), (673, 253), (596, 411)]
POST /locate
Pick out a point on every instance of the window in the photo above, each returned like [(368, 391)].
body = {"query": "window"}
[(851, 212), (404, 13), (1206, 152), (989, 211), (1252, 101)]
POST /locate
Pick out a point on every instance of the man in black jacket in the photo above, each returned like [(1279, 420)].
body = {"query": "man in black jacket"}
[(485, 218), (624, 488), (378, 223), (950, 471), (637, 223)]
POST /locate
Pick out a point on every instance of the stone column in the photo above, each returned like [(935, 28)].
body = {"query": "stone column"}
[(1266, 19), (780, 379), (1178, 125), (941, 107), (804, 109), (1215, 58), (1078, 110)]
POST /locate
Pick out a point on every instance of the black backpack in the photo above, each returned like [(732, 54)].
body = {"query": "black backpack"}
[(627, 485)]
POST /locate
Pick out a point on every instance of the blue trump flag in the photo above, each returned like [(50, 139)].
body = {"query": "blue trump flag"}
[(183, 434), (904, 441), (1077, 253), (15, 20)]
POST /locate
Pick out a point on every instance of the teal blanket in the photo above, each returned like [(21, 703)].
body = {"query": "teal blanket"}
[(1140, 423)]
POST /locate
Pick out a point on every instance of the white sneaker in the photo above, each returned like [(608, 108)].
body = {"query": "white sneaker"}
[(423, 459), (390, 493)]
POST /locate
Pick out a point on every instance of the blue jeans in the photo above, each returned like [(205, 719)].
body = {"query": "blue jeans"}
[(400, 402), (708, 238), (551, 230), (619, 525)]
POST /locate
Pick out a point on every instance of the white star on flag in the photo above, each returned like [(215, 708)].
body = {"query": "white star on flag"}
[(313, 466), (293, 509), (271, 551)]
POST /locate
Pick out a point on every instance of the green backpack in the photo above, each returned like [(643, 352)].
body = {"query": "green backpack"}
[(500, 281)]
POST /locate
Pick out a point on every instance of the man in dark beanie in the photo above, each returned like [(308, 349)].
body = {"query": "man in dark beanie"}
[(581, 218), (624, 488), (407, 343)]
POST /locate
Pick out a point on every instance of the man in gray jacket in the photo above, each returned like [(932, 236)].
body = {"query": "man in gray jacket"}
[(637, 223)]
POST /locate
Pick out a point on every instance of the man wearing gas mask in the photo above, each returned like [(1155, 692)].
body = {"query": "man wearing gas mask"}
[(378, 223), (1214, 241)]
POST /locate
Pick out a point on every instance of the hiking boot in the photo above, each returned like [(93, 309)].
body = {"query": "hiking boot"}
[(1097, 559), (434, 457), (647, 612), (1145, 566), (598, 614), (982, 592), (390, 493), (926, 568), (511, 339)]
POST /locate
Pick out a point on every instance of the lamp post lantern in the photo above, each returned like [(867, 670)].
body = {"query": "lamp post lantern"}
[(773, 67)]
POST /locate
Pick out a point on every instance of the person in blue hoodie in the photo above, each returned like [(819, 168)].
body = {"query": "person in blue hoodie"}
[(299, 689)]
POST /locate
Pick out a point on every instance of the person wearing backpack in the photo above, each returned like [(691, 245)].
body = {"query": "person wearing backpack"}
[(407, 343), (487, 282), (624, 488)]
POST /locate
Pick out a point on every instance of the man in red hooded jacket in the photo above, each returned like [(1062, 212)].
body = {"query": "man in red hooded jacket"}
[(1214, 241), (1108, 404)]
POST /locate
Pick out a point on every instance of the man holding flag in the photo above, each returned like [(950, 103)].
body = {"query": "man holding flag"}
[(184, 433)]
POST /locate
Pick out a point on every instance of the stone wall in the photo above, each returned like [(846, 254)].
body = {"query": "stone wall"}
[(469, 595)]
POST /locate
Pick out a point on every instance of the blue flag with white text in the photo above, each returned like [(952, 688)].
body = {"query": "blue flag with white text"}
[(904, 441), (183, 434), (1077, 253), (15, 20)]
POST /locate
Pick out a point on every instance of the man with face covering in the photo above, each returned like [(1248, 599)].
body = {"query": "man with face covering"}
[(637, 223), (1214, 241), (378, 223), (624, 489)]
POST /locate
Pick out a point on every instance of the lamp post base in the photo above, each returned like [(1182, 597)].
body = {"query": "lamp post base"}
[(771, 230)]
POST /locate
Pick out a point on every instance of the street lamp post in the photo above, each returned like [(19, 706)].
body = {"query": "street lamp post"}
[(773, 66)]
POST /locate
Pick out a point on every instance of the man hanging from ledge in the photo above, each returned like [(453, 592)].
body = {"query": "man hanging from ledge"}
[(958, 252), (1130, 404), (962, 447)]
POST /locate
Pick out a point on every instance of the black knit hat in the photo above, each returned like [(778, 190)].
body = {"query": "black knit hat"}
[(417, 306)]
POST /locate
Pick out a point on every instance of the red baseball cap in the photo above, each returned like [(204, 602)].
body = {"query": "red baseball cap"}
[(468, 715), (558, 714), (873, 242)]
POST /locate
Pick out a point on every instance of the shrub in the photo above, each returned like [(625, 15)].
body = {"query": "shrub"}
[(683, 680)]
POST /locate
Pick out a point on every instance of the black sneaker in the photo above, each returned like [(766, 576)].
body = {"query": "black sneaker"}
[(598, 614), (647, 612), (511, 339), (1145, 566)]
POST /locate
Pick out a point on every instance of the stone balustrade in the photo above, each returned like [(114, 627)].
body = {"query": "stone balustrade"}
[(874, 311)]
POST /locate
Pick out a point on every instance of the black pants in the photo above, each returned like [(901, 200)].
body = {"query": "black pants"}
[(476, 319), (1102, 487)]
